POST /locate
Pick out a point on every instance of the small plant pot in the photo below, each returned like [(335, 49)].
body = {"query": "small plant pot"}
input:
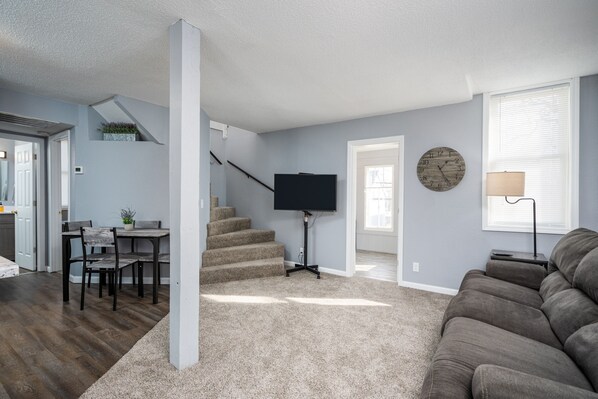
[(129, 226)]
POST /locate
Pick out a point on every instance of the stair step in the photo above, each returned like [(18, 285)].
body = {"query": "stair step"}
[(243, 237), (242, 253), (221, 213), (228, 226), (213, 201), (242, 270)]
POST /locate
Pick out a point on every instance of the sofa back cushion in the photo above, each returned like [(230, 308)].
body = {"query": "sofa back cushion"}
[(568, 311), (553, 283), (582, 347), (586, 275), (570, 250)]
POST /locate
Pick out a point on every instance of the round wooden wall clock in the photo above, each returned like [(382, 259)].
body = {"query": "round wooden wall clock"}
[(441, 169)]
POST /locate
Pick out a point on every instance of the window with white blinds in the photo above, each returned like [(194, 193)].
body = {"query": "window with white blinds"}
[(378, 197), (533, 131)]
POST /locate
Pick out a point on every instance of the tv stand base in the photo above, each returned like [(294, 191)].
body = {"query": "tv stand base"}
[(311, 268)]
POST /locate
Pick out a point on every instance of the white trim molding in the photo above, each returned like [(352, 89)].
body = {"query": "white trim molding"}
[(430, 288), (351, 213)]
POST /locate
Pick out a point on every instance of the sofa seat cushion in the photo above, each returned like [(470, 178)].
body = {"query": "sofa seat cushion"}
[(508, 315), (570, 250), (494, 382), (568, 311), (553, 284), (501, 289), (467, 344)]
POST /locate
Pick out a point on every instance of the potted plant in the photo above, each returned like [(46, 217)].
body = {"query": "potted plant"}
[(127, 215), (119, 131)]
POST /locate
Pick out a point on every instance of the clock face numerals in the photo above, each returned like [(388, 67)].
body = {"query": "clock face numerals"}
[(441, 169)]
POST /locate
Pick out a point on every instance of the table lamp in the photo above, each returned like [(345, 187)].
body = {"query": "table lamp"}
[(505, 184)]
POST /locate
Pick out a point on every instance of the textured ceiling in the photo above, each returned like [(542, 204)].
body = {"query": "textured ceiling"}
[(270, 65)]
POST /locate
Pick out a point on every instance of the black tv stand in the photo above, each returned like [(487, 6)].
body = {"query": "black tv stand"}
[(311, 268)]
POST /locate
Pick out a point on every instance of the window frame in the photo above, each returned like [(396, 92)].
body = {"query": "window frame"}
[(365, 201), (573, 164)]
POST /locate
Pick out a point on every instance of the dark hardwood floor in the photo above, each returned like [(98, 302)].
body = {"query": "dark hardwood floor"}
[(49, 348)]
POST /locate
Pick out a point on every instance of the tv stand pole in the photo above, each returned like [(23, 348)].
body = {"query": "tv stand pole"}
[(312, 268)]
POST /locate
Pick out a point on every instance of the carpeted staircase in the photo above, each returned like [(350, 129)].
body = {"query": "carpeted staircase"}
[(235, 251)]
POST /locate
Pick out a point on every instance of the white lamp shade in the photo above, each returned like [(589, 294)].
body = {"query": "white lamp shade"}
[(505, 184)]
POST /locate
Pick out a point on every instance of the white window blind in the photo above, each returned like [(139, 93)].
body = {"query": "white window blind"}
[(531, 131), (378, 197)]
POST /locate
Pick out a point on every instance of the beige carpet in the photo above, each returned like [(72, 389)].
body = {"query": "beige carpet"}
[(294, 337)]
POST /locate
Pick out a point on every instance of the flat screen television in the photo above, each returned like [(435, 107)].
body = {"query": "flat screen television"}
[(305, 192)]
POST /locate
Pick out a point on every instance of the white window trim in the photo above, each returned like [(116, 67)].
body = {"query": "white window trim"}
[(573, 159), (392, 200)]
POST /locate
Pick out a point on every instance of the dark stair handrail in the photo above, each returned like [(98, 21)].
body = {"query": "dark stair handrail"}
[(215, 158), (251, 177)]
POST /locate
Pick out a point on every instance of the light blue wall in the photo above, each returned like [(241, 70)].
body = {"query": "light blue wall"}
[(217, 172), (116, 174), (588, 152), (442, 231)]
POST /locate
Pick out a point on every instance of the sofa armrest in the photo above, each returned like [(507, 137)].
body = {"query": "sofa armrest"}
[(520, 273), (494, 382)]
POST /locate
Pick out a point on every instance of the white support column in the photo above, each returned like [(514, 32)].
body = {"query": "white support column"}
[(184, 194)]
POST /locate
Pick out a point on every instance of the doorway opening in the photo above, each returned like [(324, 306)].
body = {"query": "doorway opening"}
[(374, 208), (19, 188)]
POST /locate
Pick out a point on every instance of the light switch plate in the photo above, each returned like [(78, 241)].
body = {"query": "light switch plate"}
[(78, 170)]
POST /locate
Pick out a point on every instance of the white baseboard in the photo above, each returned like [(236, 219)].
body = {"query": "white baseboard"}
[(336, 272), (126, 280), (431, 288)]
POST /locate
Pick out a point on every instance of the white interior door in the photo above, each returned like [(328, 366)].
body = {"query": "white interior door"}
[(25, 207)]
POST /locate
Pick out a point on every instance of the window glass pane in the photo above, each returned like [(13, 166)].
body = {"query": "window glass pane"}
[(530, 131), (378, 197)]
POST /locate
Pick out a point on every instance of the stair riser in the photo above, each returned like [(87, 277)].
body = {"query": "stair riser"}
[(221, 214), (220, 276), (240, 254), (216, 242), (228, 226), (213, 202)]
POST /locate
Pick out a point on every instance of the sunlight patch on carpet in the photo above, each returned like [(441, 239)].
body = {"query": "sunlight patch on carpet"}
[(338, 301)]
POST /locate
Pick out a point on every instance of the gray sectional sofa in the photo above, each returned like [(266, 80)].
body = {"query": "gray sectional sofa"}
[(520, 331)]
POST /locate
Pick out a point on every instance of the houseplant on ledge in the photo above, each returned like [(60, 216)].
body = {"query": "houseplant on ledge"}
[(119, 131), (127, 215)]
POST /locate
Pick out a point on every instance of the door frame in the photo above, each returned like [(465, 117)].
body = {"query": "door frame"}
[(55, 199), (41, 193), (351, 216)]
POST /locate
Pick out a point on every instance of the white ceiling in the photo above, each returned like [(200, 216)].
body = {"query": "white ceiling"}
[(270, 65)]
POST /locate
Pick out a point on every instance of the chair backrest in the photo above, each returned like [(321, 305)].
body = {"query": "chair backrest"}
[(102, 237), (76, 225), (147, 224), (99, 237)]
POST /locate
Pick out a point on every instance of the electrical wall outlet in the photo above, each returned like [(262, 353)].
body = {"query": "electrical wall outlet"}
[(300, 251), (416, 266)]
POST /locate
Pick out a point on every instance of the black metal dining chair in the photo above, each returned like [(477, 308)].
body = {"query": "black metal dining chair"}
[(92, 256), (103, 238)]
